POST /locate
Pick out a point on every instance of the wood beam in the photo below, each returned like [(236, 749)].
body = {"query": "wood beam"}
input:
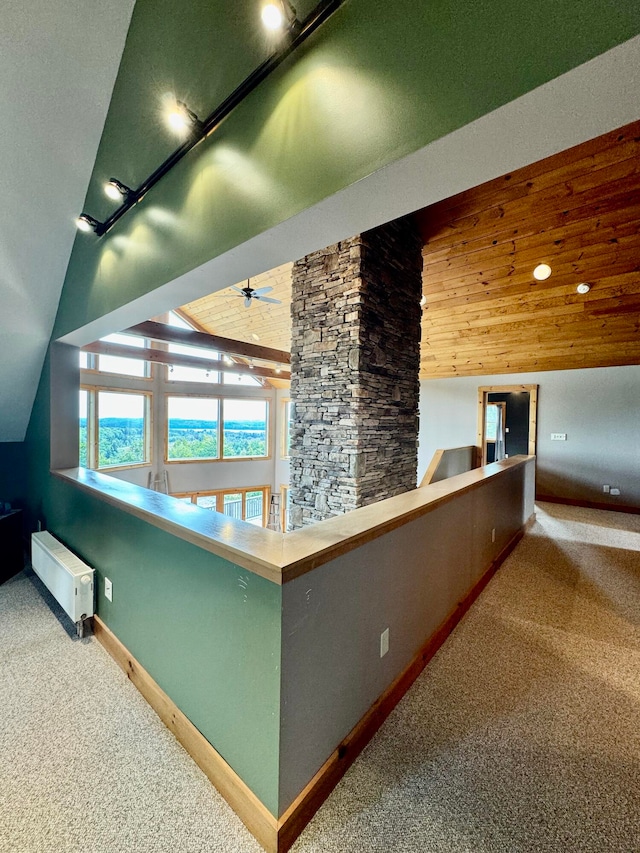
[(163, 357), (188, 337)]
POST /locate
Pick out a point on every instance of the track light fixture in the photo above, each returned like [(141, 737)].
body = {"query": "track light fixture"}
[(281, 15), (181, 119), (87, 223), (116, 190)]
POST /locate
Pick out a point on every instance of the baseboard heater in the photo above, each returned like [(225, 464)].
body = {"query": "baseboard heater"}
[(67, 578)]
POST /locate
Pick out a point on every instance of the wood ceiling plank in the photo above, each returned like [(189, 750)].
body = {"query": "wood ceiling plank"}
[(530, 250), (618, 144)]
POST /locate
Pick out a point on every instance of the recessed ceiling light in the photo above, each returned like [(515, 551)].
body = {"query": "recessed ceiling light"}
[(542, 272), (255, 337), (423, 301), (583, 288)]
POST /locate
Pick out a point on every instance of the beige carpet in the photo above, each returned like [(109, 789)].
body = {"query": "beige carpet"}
[(523, 734)]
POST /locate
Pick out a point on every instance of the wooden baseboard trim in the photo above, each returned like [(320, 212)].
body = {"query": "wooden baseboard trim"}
[(635, 510), (251, 811), (277, 836), (300, 812)]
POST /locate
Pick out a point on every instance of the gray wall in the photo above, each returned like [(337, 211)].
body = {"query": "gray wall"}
[(598, 409), (409, 581), (454, 461)]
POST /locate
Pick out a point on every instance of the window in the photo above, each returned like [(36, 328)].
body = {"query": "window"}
[(192, 428), (240, 379), (246, 504), (121, 429), (117, 364), (190, 374), (244, 427), (113, 428), (176, 373)]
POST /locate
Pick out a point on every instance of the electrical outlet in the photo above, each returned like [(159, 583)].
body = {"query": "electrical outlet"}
[(493, 535), (384, 642), (108, 589), (558, 436), (614, 492), (606, 489)]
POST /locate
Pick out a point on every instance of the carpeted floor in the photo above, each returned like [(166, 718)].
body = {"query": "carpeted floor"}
[(523, 734)]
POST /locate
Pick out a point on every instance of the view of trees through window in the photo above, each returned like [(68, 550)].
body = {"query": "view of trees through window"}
[(192, 428), (118, 424)]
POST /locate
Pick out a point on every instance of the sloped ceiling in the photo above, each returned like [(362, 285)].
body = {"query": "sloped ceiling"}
[(58, 63)]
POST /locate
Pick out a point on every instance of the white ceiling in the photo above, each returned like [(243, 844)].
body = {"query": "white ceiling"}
[(58, 64)]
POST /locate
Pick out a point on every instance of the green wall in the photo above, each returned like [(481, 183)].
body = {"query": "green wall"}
[(13, 473), (378, 81), (206, 630)]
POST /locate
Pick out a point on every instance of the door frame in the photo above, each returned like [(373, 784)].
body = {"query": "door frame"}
[(483, 394)]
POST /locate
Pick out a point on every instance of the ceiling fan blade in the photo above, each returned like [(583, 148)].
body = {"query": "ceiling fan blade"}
[(268, 299), (247, 302), (237, 289), (262, 290)]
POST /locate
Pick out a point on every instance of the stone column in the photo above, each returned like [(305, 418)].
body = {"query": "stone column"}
[(355, 359)]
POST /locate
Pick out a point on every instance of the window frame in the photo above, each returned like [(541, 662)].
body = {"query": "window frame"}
[(93, 426), (221, 398), (93, 364), (219, 496)]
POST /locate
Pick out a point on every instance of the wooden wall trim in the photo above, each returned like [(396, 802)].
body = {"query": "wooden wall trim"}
[(552, 499), (278, 835), (275, 556), (251, 811)]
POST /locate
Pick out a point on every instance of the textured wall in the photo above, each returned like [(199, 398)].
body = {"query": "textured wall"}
[(354, 372)]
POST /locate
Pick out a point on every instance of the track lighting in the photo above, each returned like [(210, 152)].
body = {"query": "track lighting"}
[(277, 14), (116, 190), (181, 119), (87, 223)]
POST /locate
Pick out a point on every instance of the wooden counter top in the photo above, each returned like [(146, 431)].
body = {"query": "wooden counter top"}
[(280, 557)]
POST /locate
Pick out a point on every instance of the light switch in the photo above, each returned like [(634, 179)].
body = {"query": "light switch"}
[(558, 436)]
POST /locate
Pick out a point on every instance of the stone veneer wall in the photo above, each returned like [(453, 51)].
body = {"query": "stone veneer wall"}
[(355, 359)]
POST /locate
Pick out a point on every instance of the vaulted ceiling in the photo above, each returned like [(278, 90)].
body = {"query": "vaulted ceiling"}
[(577, 211), (58, 64)]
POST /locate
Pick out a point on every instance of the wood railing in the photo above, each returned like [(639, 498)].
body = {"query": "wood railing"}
[(449, 462)]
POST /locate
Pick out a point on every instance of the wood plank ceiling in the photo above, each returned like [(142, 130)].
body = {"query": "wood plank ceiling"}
[(223, 313), (578, 211)]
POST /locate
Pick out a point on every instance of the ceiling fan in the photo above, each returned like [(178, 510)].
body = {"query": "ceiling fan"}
[(248, 293)]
